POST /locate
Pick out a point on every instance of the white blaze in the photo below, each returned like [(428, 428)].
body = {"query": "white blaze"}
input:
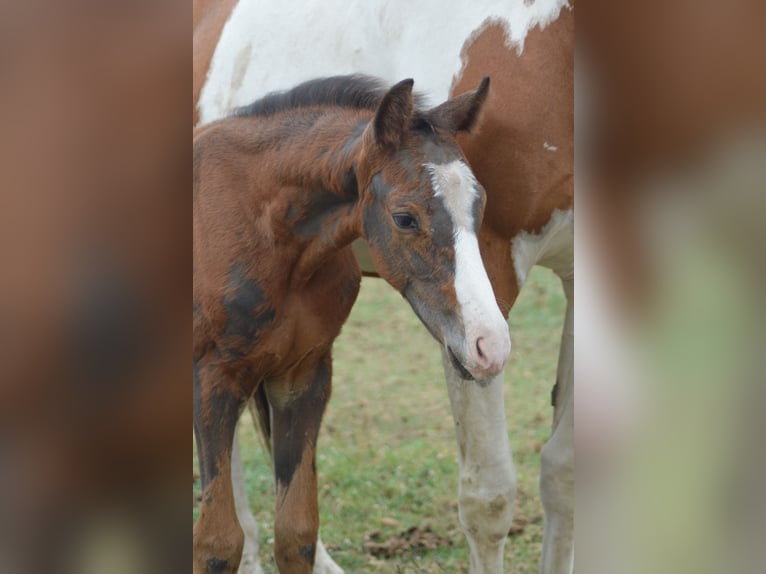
[(455, 184)]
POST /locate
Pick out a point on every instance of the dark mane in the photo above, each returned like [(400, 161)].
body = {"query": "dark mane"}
[(355, 91)]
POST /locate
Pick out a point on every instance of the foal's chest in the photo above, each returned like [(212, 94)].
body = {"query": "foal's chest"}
[(271, 329), (314, 314)]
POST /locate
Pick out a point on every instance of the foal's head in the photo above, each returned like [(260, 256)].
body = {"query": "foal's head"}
[(422, 208)]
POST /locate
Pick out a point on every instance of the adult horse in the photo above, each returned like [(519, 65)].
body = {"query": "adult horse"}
[(522, 154), (281, 189)]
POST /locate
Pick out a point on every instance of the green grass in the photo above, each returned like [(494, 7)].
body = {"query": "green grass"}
[(387, 455)]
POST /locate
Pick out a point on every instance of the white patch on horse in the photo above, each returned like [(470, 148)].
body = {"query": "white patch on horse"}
[(520, 18), (549, 147), (291, 43), (456, 185), (552, 247)]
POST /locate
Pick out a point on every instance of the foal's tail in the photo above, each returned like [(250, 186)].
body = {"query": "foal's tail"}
[(259, 411)]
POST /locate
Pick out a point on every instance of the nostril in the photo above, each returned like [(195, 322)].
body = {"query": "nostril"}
[(478, 347)]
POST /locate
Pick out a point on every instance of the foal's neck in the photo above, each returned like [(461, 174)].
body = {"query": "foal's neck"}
[(327, 215)]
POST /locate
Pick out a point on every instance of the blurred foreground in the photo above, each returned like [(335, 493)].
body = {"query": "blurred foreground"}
[(95, 401), (671, 271)]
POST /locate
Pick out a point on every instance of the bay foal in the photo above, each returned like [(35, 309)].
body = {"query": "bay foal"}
[(281, 189)]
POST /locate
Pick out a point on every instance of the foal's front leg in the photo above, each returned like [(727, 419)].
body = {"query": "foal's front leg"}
[(218, 538), (323, 563), (297, 406)]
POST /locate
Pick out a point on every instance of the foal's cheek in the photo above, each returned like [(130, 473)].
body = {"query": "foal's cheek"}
[(388, 263), (420, 260)]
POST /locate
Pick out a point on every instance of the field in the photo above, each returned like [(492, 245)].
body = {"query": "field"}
[(387, 457)]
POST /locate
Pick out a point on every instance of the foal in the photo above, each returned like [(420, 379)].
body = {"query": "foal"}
[(281, 189)]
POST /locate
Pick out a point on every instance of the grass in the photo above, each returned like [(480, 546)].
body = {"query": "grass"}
[(387, 455)]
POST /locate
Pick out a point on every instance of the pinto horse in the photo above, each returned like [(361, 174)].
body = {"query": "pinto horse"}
[(281, 189), (522, 155)]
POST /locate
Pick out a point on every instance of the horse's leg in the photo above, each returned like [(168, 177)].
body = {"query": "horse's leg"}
[(487, 476), (324, 564), (487, 487), (218, 538), (297, 406), (557, 458), (250, 564)]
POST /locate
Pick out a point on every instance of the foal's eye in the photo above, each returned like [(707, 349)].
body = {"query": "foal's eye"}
[(405, 221)]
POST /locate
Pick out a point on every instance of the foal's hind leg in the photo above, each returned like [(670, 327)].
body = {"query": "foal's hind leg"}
[(250, 564), (557, 459), (324, 564), (297, 406), (218, 538)]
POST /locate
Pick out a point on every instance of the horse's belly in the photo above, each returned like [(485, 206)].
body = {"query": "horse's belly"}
[(269, 45)]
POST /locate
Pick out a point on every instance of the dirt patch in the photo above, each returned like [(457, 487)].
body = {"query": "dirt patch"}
[(416, 539), (520, 522)]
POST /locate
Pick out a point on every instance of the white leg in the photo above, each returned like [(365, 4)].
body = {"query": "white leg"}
[(557, 459), (323, 564), (487, 475), (250, 563)]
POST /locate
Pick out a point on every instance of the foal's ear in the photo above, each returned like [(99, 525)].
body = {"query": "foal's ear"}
[(461, 113), (392, 118)]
